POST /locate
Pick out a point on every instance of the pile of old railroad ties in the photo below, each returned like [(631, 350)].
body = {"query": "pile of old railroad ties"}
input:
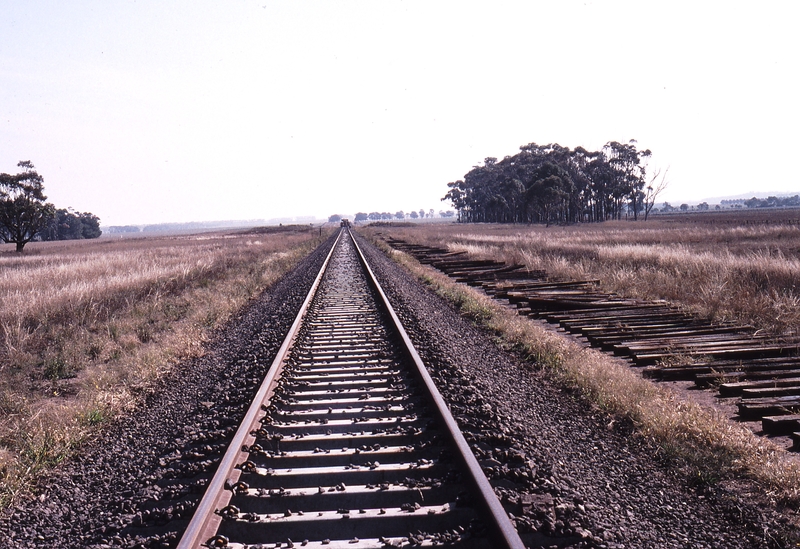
[(761, 372)]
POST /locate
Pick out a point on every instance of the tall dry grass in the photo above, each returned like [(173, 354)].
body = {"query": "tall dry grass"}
[(87, 326)]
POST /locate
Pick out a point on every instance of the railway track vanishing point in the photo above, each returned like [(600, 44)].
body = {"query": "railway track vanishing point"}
[(347, 442)]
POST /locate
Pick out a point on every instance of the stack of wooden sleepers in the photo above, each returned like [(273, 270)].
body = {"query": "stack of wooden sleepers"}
[(761, 372)]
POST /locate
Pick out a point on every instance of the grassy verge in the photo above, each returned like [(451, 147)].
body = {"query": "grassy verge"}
[(86, 328), (706, 445)]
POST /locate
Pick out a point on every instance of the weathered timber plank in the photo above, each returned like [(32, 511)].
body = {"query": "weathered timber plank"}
[(780, 425), (624, 307), (664, 331), (765, 351), (612, 343), (721, 368), (631, 327), (769, 392), (692, 345), (758, 408), (738, 387), (632, 320), (749, 375)]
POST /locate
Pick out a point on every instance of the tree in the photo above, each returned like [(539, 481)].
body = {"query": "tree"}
[(23, 207), (91, 225), (361, 216), (400, 215), (753, 202), (414, 215), (629, 173), (654, 189), (335, 218), (67, 224), (549, 193), (422, 213), (684, 207)]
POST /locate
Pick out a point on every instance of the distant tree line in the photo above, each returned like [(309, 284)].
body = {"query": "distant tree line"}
[(387, 216), (773, 202), (555, 184), (25, 213), (118, 229)]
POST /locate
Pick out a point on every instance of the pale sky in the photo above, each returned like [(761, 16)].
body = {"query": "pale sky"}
[(156, 111)]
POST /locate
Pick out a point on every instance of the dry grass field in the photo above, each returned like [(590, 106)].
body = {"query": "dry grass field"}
[(726, 266), (86, 326)]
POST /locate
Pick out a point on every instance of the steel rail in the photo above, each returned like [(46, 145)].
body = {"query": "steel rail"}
[(510, 537), (204, 519)]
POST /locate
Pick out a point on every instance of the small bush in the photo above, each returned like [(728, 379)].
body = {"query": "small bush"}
[(57, 368), (94, 416), (144, 333)]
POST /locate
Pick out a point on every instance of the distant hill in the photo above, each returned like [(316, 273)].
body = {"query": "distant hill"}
[(183, 227), (745, 196), (199, 226)]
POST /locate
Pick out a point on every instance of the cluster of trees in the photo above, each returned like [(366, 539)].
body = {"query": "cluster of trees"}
[(669, 208), (555, 184), (25, 213), (773, 202), (386, 216), (67, 224)]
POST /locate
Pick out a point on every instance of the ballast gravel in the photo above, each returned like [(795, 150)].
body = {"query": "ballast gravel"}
[(569, 474)]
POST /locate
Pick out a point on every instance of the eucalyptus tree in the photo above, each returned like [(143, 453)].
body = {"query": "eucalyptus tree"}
[(457, 195), (24, 210), (629, 174), (549, 193)]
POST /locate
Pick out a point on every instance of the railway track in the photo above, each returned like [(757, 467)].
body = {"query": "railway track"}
[(347, 442), (761, 373)]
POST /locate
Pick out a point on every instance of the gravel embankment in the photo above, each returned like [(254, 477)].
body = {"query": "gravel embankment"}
[(589, 482)]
